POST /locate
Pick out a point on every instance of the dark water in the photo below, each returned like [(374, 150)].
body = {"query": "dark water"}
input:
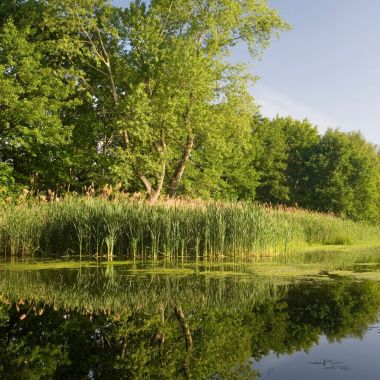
[(133, 320)]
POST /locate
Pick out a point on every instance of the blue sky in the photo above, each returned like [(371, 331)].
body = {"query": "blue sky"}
[(326, 69)]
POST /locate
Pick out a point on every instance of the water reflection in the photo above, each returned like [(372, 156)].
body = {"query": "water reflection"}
[(111, 323)]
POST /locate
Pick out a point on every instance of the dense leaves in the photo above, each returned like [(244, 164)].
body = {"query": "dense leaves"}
[(145, 98), (337, 172)]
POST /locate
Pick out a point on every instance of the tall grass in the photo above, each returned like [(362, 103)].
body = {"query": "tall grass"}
[(173, 230)]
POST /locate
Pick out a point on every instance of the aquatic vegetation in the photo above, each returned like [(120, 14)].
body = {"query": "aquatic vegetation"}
[(207, 230), (69, 323), (122, 285), (138, 285)]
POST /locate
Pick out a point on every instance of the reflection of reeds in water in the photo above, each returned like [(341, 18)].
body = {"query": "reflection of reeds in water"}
[(113, 287), (168, 230), (162, 327)]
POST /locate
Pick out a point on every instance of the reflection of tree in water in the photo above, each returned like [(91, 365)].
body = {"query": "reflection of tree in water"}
[(179, 337), (66, 344), (306, 311)]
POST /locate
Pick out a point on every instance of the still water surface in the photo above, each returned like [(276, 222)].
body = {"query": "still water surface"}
[(166, 320), (349, 358)]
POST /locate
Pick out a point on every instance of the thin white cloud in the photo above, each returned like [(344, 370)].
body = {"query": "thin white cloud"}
[(274, 103)]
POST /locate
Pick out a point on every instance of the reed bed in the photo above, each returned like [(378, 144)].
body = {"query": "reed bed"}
[(135, 229)]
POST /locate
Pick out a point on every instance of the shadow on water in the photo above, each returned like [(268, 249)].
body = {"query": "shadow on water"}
[(137, 320)]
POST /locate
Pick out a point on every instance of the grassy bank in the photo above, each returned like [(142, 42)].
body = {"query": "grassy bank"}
[(178, 229)]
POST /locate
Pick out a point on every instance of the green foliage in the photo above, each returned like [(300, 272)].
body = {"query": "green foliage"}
[(221, 166), (106, 95), (271, 160), (144, 98), (7, 181), (344, 176), (283, 146), (34, 91), (337, 172)]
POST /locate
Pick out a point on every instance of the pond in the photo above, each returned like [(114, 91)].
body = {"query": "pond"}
[(310, 316)]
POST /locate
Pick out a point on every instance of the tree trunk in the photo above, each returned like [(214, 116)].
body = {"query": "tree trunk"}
[(154, 194), (176, 178), (187, 335), (147, 185), (123, 348)]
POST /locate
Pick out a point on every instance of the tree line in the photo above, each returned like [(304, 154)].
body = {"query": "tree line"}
[(145, 99)]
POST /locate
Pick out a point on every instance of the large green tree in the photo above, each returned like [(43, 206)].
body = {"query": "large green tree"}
[(39, 86), (282, 148), (34, 92), (159, 80), (221, 164), (93, 93), (344, 176)]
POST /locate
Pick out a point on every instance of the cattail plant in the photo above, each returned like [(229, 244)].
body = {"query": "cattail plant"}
[(174, 230)]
